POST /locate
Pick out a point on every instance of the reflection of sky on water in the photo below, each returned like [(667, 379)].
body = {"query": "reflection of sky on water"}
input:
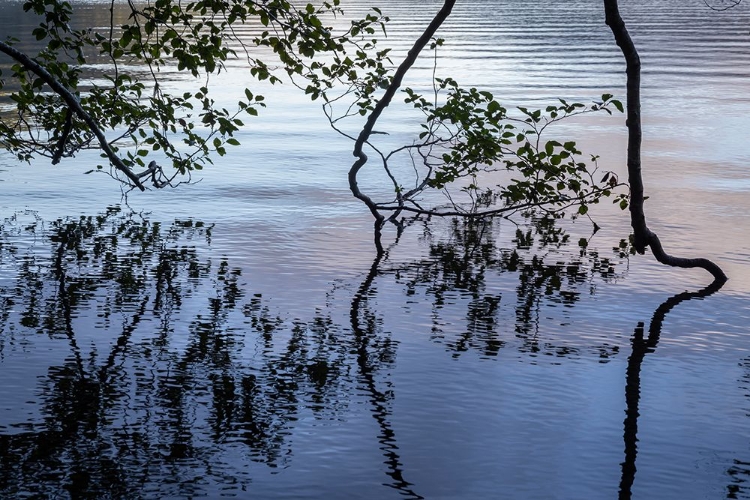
[(467, 424)]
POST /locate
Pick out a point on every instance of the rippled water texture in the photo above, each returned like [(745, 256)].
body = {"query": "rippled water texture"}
[(235, 337)]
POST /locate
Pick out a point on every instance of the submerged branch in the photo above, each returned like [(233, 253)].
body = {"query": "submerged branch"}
[(643, 236), (367, 130)]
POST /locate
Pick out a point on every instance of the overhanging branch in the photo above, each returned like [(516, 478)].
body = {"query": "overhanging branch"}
[(73, 104), (367, 130)]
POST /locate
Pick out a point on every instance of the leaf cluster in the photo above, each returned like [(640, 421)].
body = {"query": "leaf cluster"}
[(469, 133), (129, 98)]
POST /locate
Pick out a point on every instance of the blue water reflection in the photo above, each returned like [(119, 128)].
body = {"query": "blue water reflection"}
[(227, 361)]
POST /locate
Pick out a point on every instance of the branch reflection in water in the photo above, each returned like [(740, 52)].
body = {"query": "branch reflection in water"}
[(641, 347), (129, 415), (176, 378), (458, 264)]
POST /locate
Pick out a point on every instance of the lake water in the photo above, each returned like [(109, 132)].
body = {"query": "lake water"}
[(235, 337)]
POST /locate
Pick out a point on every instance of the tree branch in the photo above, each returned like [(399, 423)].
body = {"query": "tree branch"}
[(643, 236), (366, 131), (60, 146), (74, 104)]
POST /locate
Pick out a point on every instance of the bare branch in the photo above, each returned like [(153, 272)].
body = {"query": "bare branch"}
[(394, 85), (643, 236)]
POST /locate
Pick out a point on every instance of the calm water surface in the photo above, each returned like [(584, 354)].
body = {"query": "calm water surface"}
[(235, 338)]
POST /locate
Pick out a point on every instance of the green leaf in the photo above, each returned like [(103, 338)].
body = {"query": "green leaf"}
[(127, 37)]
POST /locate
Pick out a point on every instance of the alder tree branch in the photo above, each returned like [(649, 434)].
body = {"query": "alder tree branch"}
[(367, 130), (643, 236), (75, 105)]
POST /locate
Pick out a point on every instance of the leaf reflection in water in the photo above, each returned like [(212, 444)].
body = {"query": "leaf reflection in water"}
[(176, 376), (152, 400), (458, 264), (464, 265)]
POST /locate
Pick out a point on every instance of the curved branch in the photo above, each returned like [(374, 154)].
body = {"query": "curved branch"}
[(641, 347), (643, 236), (733, 4), (366, 131), (560, 205), (73, 104)]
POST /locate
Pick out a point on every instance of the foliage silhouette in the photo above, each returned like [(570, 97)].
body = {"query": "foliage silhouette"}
[(127, 109), (467, 137)]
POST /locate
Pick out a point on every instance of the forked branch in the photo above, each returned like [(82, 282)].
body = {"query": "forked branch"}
[(367, 130)]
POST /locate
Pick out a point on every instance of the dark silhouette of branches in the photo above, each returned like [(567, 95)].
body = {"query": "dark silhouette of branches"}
[(73, 104), (643, 236), (384, 101)]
